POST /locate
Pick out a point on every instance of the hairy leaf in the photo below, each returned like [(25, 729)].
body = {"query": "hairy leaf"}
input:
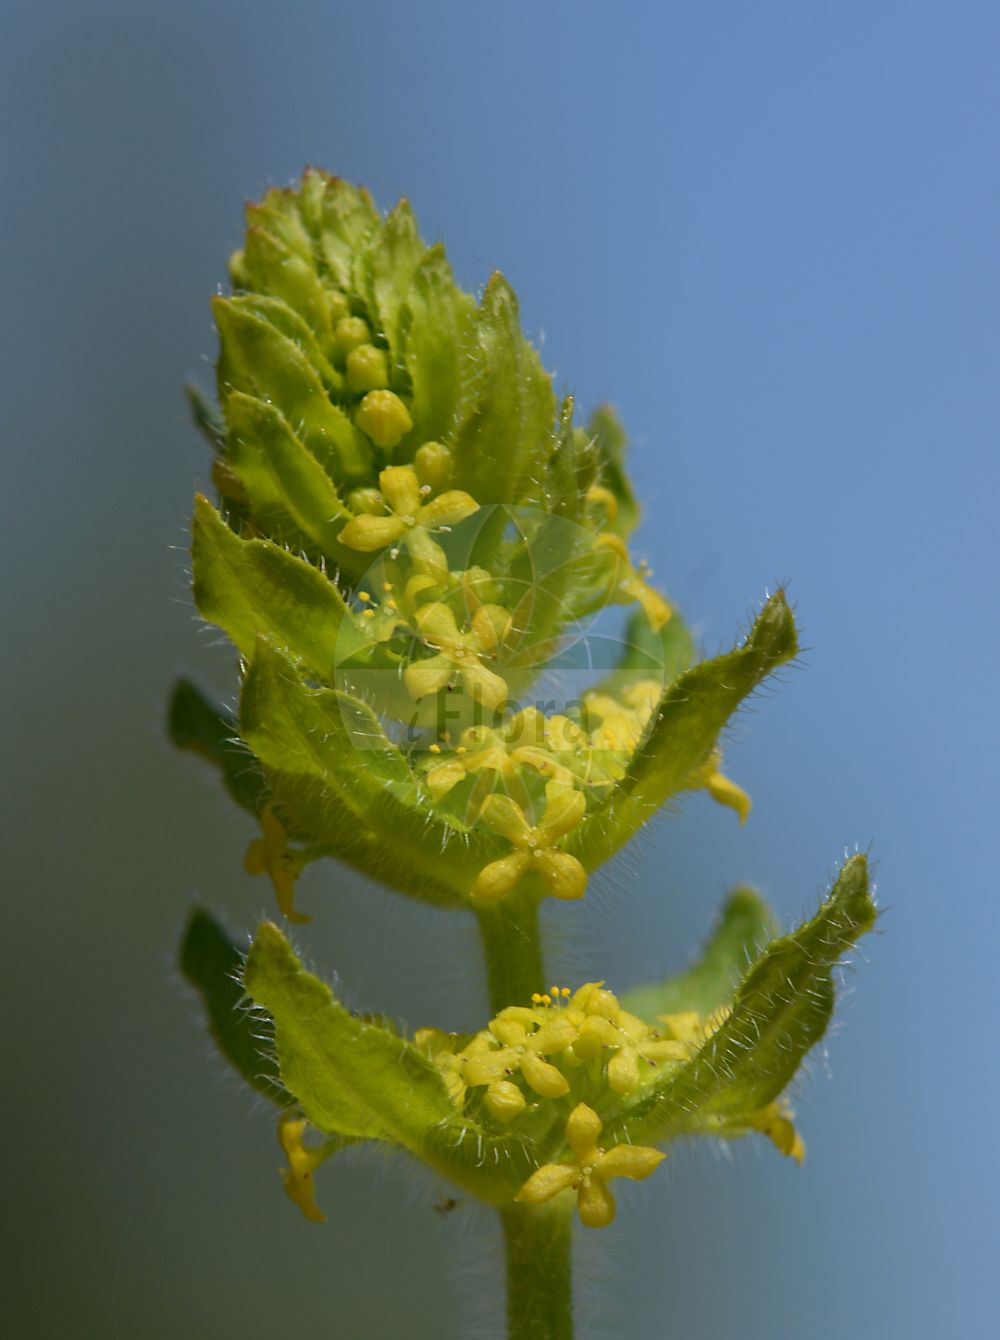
[(609, 438), (273, 267), (355, 1077), (691, 714), (435, 346), (780, 1010), (212, 964), (510, 417), (341, 216), (745, 926), (195, 725), (351, 1077), (253, 588), (334, 745), (259, 359), (393, 254), (290, 493)]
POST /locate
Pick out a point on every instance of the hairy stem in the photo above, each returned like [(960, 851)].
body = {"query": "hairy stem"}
[(539, 1283), (537, 1238), (513, 950)]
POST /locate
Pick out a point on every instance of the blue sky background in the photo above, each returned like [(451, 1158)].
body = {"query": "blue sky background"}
[(769, 233)]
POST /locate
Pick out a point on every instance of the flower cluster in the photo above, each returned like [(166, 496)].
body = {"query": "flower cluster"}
[(564, 1041), (412, 520), (580, 1049), (415, 551)]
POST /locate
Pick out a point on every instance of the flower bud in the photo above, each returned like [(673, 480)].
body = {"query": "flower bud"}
[(365, 502), (238, 276), (367, 369), (433, 464), (504, 1100), (384, 417), (337, 306), (349, 333)]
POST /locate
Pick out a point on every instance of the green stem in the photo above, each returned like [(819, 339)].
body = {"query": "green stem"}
[(513, 950), (539, 1283), (537, 1237)]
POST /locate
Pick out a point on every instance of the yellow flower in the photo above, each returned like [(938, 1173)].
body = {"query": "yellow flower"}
[(489, 761), (722, 789), (302, 1162), (497, 756), (410, 517), (513, 1044), (460, 653), (536, 847), (270, 855), (632, 584), (775, 1121), (606, 1026), (691, 1029), (592, 1168)]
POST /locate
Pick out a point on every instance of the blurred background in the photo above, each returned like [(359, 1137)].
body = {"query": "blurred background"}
[(769, 233)]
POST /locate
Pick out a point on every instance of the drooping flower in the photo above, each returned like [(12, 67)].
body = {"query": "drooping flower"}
[(303, 1160), (270, 854), (630, 583), (722, 789)]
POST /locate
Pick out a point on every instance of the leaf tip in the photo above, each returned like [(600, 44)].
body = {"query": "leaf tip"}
[(774, 630), (853, 892)]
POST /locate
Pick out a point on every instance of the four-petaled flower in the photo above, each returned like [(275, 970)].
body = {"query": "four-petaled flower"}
[(517, 1045), (591, 1169), (460, 653), (631, 1039), (536, 846), (410, 517)]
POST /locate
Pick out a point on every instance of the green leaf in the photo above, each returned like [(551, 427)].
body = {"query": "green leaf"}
[(435, 346), (257, 358), (393, 254), (745, 926), (278, 214), (610, 441), (252, 588), (276, 313), (668, 652), (350, 789), (692, 712), (195, 725), (285, 484), (272, 267), (354, 1077), (212, 963), (205, 416), (510, 415), (779, 1012), (350, 1076), (341, 217), (644, 653)]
